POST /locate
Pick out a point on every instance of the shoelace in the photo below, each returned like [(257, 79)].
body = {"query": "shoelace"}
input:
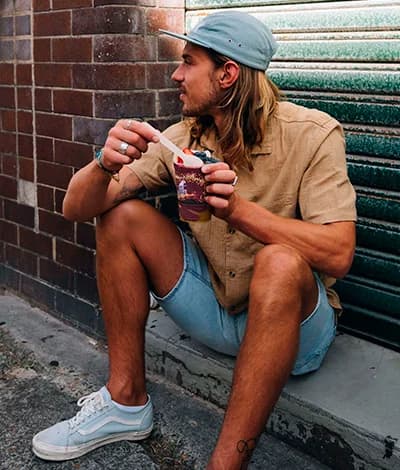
[(89, 404)]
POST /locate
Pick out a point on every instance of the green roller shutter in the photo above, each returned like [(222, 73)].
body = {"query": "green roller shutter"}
[(344, 58)]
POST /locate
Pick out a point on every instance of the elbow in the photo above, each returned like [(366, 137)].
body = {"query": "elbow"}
[(70, 213), (342, 263)]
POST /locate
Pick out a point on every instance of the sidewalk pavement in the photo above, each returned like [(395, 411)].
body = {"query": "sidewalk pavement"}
[(347, 414)]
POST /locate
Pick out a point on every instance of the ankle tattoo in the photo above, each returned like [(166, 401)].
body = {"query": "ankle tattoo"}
[(246, 447)]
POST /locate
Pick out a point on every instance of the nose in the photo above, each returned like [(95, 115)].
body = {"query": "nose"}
[(177, 75)]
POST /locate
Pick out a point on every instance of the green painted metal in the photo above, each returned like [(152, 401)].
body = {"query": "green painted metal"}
[(343, 57), (331, 80), (353, 112), (379, 239)]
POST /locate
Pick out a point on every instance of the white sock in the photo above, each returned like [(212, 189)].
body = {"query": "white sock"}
[(129, 409)]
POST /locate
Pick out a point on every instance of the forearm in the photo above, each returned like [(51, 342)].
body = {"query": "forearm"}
[(327, 248), (87, 193)]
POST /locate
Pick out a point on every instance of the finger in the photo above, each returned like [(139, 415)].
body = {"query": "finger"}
[(112, 158), (221, 176), (132, 151), (142, 128), (211, 167), (220, 189), (217, 202)]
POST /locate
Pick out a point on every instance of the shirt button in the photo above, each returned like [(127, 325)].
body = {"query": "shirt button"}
[(232, 274), (231, 230)]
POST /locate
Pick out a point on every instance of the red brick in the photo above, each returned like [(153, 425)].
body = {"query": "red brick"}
[(24, 122), (72, 153), (23, 49), (44, 149), (159, 75), (52, 125), (74, 256), (115, 19), (147, 3), (105, 77), (24, 97), (72, 49), (8, 232), (64, 4), (8, 187), (7, 74), (41, 5), (45, 196), (91, 131), (73, 102), (26, 169), (8, 143), (123, 48), (43, 99), (24, 74), (85, 235), (53, 174), (53, 75), (22, 260), (22, 25), (7, 51), (8, 120), (169, 48), (9, 165), (19, 213), (55, 224), (6, 26), (169, 103), (59, 200), (42, 49), (52, 23), (7, 97), (35, 242), (25, 145), (56, 274), (23, 5), (159, 18), (117, 105)]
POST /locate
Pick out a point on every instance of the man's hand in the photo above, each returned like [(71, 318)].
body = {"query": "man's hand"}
[(135, 134), (220, 188)]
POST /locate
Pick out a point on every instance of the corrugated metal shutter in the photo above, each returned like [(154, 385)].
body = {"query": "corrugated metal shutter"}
[(344, 58)]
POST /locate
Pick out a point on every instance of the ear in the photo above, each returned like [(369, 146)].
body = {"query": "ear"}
[(229, 74)]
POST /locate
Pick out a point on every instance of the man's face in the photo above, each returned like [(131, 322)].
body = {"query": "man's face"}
[(198, 83)]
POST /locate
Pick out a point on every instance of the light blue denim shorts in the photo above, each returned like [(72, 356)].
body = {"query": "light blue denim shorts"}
[(193, 306)]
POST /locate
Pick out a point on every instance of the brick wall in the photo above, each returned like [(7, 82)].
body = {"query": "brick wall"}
[(68, 70)]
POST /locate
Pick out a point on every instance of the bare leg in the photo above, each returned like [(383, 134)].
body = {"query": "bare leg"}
[(282, 293), (136, 246)]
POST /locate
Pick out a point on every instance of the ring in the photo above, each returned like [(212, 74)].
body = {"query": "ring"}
[(123, 148), (234, 182), (128, 124)]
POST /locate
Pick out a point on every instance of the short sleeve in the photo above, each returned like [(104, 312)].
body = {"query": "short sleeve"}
[(326, 194), (152, 168)]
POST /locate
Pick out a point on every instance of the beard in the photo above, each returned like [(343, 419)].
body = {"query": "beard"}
[(204, 106)]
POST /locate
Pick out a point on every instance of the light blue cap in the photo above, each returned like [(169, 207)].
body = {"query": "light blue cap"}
[(235, 34)]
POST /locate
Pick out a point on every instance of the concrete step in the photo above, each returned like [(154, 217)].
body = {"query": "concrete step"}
[(45, 366), (346, 415)]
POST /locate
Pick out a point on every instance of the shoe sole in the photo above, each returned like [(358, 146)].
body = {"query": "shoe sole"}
[(84, 449)]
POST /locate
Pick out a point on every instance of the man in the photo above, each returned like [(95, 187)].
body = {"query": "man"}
[(255, 280)]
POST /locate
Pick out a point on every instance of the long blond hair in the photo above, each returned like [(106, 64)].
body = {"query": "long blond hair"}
[(248, 104)]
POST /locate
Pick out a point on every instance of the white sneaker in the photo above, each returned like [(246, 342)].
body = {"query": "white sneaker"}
[(99, 422)]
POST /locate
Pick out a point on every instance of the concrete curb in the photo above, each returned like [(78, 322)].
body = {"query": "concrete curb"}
[(347, 415)]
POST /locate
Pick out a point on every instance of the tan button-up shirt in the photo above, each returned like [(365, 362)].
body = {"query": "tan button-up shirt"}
[(299, 172)]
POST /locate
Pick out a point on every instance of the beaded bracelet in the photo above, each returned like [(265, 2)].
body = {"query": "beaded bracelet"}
[(98, 156)]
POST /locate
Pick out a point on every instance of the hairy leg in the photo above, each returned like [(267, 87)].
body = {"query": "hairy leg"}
[(136, 247), (282, 293)]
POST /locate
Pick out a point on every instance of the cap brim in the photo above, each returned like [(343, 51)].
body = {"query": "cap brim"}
[(184, 37)]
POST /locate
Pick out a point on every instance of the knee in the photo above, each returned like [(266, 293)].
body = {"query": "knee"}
[(280, 263), (114, 224)]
